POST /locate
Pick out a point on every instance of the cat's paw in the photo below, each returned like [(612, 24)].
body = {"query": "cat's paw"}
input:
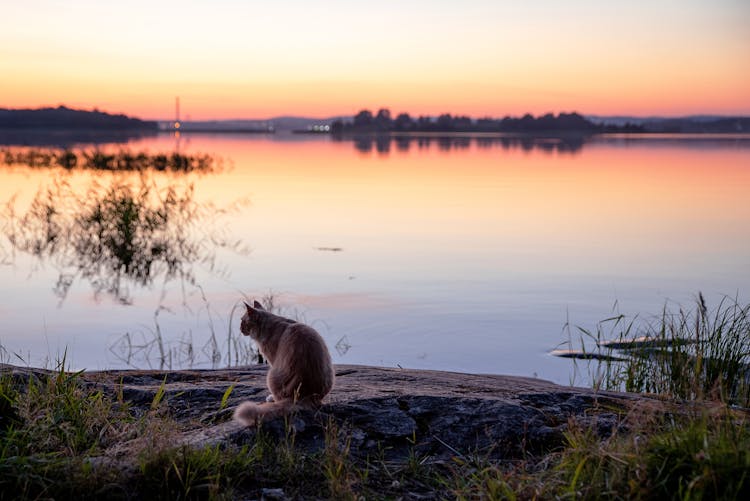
[(270, 398)]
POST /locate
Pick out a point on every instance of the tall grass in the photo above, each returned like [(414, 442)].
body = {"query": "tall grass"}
[(700, 355), (58, 431), (150, 348), (51, 424), (693, 354), (701, 456)]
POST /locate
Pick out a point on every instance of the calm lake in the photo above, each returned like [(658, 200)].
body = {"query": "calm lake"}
[(460, 253)]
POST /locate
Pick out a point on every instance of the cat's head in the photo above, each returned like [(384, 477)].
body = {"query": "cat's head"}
[(251, 319)]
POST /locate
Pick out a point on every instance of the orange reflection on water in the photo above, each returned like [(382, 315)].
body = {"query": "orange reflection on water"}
[(611, 200)]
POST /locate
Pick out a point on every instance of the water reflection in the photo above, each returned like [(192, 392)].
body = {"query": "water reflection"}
[(118, 235), (455, 142)]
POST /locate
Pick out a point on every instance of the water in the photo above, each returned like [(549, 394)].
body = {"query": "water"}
[(462, 254)]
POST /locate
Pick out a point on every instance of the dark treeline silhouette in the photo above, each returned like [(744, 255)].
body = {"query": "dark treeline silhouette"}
[(365, 122), (697, 126), (67, 118), (385, 144)]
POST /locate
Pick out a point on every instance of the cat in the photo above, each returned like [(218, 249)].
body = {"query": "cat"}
[(301, 373)]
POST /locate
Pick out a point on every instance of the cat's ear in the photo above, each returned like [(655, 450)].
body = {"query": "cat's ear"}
[(257, 305), (249, 308)]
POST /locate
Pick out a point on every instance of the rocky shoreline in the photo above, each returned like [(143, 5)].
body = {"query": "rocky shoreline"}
[(396, 412)]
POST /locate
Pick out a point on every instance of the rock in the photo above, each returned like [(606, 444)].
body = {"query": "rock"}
[(394, 412), (273, 495)]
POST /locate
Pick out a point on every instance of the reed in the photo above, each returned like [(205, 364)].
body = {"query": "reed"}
[(121, 160), (700, 353)]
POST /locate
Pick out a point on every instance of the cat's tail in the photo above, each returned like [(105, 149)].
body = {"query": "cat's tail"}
[(250, 413)]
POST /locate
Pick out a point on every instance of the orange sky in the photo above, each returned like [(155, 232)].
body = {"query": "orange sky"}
[(235, 59)]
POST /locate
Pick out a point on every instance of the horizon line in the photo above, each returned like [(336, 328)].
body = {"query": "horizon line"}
[(350, 115)]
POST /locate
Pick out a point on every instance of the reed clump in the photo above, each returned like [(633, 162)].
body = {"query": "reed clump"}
[(694, 354), (120, 160), (698, 360)]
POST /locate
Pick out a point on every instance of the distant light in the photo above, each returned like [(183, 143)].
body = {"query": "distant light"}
[(177, 125), (327, 127)]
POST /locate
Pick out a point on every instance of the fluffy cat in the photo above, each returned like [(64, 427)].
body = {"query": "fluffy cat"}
[(300, 373)]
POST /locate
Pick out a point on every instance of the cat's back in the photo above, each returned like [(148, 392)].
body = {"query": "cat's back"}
[(303, 341), (304, 354)]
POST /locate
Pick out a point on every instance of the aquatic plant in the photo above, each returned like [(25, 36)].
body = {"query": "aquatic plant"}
[(120, 160), (694, 354)]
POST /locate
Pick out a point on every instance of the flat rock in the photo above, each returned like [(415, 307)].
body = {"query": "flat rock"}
[(392, 412)]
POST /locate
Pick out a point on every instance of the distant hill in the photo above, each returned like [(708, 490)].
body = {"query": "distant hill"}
[(69, 119), (687, 124)]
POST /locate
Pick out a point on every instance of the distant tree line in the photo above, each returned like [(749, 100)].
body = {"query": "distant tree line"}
[(365, 122), (723, 125), (66, 118)]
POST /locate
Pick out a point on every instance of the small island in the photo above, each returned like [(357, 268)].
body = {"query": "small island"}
[(66, 118), (64, 127)]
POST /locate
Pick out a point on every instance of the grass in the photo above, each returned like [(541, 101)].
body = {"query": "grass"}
[(151, 349), (690, 354), (61, 427), (699, 357), (57, 433), (699, 456), (51, 427)]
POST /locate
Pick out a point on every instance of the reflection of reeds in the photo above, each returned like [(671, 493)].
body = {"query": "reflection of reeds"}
[(118, 234), (96, 159), (122, 235), (148, 348), (240, 351)]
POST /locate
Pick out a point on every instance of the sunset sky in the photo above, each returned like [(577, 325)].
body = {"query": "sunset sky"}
[(247, 59)]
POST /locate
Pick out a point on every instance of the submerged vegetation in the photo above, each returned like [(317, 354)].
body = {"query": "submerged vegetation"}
[(121, 160)]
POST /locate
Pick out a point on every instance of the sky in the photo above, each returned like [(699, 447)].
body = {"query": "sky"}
[(257, 59)]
